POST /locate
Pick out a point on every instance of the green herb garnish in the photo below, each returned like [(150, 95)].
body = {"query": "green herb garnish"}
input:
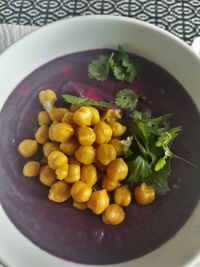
[(118, 63), (126, 98), (80, 101)]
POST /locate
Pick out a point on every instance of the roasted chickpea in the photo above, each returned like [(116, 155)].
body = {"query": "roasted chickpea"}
[(86, 136), (103, 132), (114, 215), (68, 118), (59, 191), (57, 114), (28, 147), (69, 147), (81, 191), (106, 153), (85, 154), (95, 115), (50, 131), (44, 118), (49, 147), (98, 201), (89, 174), (122, 196), (62, 172), (57, 159), (74, 173), (118, 129), (47, 99), (31, 168), (117, 170), (62, 132), (111, 114), (144, 194), (80, 206), (109, 185), (42, 134), (47, 176), (119, 147), (83, 116)]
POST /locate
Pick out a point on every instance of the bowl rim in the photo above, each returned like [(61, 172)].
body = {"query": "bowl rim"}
[(6, 223)]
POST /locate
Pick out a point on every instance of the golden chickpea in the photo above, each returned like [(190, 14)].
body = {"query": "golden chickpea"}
[(73, 108), (144, 194), (83, 116), (57, 114), (122, 196), (117, 170), (89, 174), (118, 129), (68, 118), (50, 131), (80, 206), (31, 168), (85, 154), (114, 215), (49, 147), (47, 99), (62, 172), (42, 134), (81, 191), (62, 132), (103, 132), (57, 159), (69, 147), (98, 201), (106, 153), (86, 136), (119, 147), (95, 115), (28, 147), (74, 173), (47, 176), (111, 114), (109, 185), (59, 191), (44, 118)]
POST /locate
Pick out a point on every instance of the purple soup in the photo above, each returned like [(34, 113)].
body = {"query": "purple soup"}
[(81, 236)]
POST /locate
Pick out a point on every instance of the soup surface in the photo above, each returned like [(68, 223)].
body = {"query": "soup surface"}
[(80, 236)]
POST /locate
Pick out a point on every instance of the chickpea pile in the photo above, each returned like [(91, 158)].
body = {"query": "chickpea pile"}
[(82, 159)]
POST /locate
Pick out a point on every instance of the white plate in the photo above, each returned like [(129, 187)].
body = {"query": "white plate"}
[(83, 33)]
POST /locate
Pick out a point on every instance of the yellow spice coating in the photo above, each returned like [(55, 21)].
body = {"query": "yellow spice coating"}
[(44, 118), (89, 174), (62, 132), (85, 154), (81, 191), (114, 215), (28, 147), (59, 191), (74, 173), (57, 159), (42, 134), (122, 196), (144, 194), (98, 201), (31, 169), (103, 132), (47, 176), (106, 153), (117, 170)]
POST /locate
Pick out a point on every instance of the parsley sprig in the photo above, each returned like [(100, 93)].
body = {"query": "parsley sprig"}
[(118, 63)]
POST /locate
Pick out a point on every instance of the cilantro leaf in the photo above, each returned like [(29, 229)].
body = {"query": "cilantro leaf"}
[(160, 164), (123, 68), (166, 137), (99, 68), (126, 98), (80, 101), (139, 169), (158, 179)]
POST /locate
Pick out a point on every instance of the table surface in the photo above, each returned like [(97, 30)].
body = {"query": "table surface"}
[(19, 17)]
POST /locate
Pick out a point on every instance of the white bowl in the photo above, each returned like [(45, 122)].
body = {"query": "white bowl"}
[(90, 32)]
